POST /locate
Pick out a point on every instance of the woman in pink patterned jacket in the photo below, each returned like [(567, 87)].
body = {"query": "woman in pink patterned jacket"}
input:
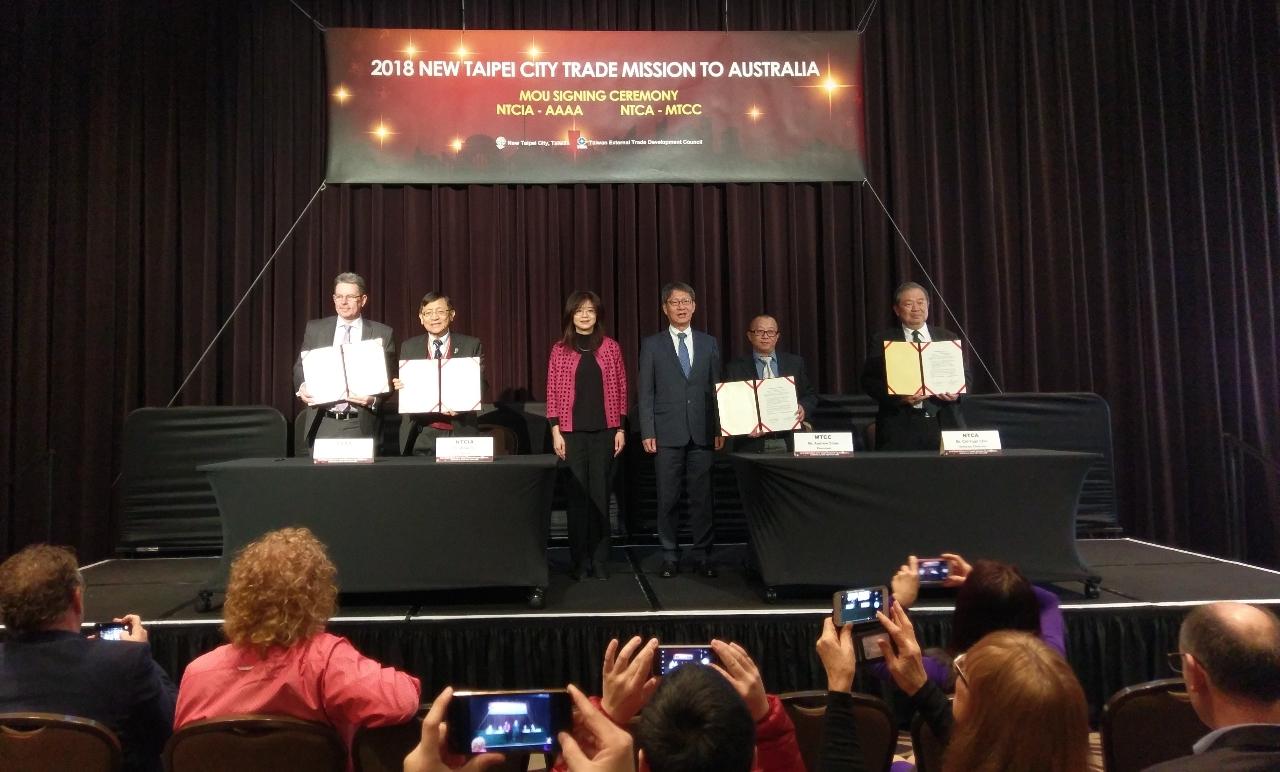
[(586, 404)]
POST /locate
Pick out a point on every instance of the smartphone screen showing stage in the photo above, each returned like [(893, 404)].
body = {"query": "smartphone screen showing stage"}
[(860, 606), (512, 722)]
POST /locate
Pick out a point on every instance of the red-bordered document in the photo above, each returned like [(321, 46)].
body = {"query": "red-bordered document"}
[(936, 367), (755, 407)]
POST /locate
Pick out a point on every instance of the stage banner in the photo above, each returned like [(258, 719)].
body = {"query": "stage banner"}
[(451, 106)]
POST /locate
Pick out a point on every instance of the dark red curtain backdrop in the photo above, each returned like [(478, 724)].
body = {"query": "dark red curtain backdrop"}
[(1094, 185)]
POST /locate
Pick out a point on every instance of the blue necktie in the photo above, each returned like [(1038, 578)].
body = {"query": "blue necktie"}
[(437, 342), (767, 370), (685, 364)]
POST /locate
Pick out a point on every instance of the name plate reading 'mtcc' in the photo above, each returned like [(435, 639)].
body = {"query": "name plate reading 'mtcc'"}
[(342, 450), (823, 443), (970, 442), (464, 449)]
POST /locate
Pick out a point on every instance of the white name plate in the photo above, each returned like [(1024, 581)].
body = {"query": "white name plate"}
[(823, 443), (464, 449), (343, 450), (970, 442)]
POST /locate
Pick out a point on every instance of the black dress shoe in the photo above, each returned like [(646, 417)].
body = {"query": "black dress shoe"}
[(600, 571), (706, 569), (578, 573), (669, 569)]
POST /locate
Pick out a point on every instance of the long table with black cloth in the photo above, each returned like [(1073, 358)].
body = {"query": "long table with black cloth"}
[(399, 524), (850, 521)]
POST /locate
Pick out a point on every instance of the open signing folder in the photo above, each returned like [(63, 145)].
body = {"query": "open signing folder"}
[(440, 385), (333, 373), (935, 367), (749, 407)]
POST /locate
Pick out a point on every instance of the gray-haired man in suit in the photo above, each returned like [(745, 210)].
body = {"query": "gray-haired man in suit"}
[(358, 416), (679, 369)]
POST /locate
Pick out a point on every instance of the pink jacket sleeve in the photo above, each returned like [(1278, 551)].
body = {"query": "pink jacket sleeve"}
[(358, 691)]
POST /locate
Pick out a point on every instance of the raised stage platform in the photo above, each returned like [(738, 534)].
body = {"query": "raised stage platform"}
[(492, 639)]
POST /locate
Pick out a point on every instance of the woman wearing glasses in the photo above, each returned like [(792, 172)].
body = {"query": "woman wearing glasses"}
[(1018, 706), (586, 405)]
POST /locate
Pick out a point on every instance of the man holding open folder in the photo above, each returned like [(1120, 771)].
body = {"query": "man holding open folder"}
[(915, 421), (357, 415), (766, 361)]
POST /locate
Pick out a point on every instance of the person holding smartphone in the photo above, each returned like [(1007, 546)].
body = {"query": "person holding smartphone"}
[(991, 596), (47, 666), (586, 405)]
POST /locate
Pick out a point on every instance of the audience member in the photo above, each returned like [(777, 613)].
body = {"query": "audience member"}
[(840, 749), (46, 665), (279, 659), (1018, 705), (992, 596), (1229, 655), (698, 718), (605, 746)]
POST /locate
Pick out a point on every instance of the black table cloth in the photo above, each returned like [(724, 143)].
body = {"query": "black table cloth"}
[(851, 521), (399, 524)]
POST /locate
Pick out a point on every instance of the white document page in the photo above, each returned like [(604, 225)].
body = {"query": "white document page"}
[(776, 398), (366, 364), (736, 403), (460, 384), (421, 390), (943, 367), (322, 370)]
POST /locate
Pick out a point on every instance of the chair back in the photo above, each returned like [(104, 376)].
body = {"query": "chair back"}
[(926, 745), (1149, 723), (505, 442), (383, 748), (255, 743), (35, 742), (872, 720)]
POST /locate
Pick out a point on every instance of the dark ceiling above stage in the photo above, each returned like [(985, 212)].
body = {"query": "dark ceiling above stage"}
[(1093, 185)]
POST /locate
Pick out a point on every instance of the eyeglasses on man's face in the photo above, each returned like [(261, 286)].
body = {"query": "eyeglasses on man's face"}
[(349, 298), (1175, 661), (764, 333), (680, 302)]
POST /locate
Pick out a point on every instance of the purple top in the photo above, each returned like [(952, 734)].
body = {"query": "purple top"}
[(1052, 631)]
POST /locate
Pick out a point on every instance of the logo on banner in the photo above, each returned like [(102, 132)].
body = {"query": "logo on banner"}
[(501, 142)]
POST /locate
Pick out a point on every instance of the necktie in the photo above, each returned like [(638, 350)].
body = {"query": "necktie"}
[(685, 363), (343, 407), (765, 371), (916, 339), (438, 343)]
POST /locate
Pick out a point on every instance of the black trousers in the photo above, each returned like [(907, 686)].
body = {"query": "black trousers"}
[(590, 459), (690, 464)]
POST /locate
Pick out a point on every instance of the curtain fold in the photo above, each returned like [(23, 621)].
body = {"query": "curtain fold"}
[(1094, 186)]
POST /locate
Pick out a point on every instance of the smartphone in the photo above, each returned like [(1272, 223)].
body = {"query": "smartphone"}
[(111, 631), (859, 606), (508, 721), (932, 571), (671, 657)]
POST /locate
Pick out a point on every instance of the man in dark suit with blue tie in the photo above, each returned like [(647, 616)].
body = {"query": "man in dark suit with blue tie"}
[(679, 368), (47, 666)]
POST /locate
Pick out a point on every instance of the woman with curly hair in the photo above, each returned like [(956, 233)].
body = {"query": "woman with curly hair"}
[(279, 659)]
